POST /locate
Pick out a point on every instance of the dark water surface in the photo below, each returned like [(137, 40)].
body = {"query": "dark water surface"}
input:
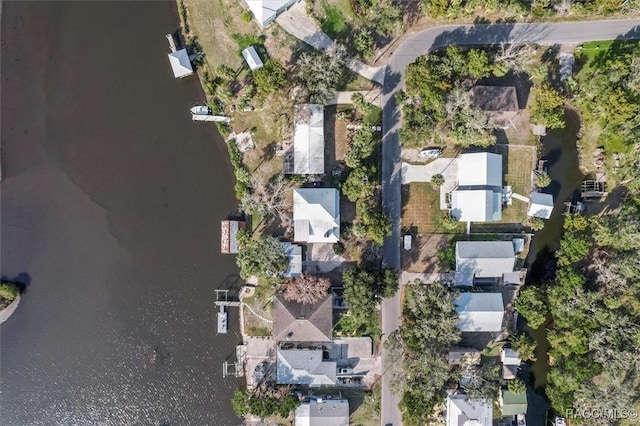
[(111, 201), (559, 148)]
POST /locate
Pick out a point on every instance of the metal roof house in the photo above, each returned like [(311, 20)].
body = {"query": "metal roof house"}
[(308, 140), (266, 11), (323, 412), (540, 205), (294, 255), (488, 261), (305, 367), (316, 215), (511, 403), (180, 63), (478, 197), (252, 58), (461, 411), (299, 322), (479, 312)]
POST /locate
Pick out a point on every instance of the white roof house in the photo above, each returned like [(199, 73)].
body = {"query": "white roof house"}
[(483, 259), (480, 169), (294, 254), (316, 215), (253, 59), (305, 367), (540, 205), (475, 205), (180, 63), (308, 140), (478, 197), (509, 356), (461, 411), (323, 412), (266, 11), (480, 312)]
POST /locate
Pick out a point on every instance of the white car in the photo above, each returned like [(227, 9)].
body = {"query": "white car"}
[(430, 153)]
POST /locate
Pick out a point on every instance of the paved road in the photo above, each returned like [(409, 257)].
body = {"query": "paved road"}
[(419, 44)]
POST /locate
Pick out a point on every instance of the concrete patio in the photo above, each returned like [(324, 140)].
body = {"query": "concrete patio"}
[(447, 167)]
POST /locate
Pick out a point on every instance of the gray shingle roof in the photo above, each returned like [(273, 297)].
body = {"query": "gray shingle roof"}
[(300, 322)]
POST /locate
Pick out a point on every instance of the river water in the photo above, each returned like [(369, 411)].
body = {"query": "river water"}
[(111, 201)]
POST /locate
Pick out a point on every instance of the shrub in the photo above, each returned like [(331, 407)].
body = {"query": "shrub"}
[(9, 291), (543, 180), (536, 223), (271, 77), (516, 386), (246, 16), (338, 248), (449, 223), (437, 180)]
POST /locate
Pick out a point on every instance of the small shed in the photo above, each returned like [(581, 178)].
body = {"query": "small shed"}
[(539, 129), (540, 205), (253, 59), (180, 63)]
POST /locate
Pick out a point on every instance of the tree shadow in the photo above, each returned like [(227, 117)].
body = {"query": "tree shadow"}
[(22, 280)]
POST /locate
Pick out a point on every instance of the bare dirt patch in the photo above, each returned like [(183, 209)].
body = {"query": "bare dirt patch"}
[(423, 256)]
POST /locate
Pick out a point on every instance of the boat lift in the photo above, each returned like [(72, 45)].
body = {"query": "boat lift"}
[(223, 302)]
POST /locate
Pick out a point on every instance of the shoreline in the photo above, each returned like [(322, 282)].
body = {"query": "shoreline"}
[(6, 313)]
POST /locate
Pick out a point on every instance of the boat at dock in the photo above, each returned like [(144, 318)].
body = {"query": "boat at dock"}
[(203, 113), (223, 320)]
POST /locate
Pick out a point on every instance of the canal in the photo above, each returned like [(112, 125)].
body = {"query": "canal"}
[(560, 151), (110, 207)]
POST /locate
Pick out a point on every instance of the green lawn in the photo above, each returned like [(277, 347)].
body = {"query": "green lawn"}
[(421, 209), (588, 53), (334, 23)]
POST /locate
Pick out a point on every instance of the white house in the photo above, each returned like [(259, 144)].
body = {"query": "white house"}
[(480, 312), (305, 367), (323, 412), (180, 63), (294, 255), (253, 59), (478, 197), (266, 11), (308, 140), (316, 215), (540, 205), (461, 411), (483, 260)]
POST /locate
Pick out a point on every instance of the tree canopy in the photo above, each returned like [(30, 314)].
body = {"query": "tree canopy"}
[(427, 331), (262, 256)]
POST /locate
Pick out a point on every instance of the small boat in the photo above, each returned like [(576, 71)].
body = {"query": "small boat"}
[(200, 110), (222, 320)]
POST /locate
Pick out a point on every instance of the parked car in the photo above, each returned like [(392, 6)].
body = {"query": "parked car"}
[(430, 153)]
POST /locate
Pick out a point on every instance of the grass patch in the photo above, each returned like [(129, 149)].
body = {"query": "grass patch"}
[(355, 82), (368, 411), (590, 52), (421, 209), (257, 331), (334, 22), (212, 23)]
